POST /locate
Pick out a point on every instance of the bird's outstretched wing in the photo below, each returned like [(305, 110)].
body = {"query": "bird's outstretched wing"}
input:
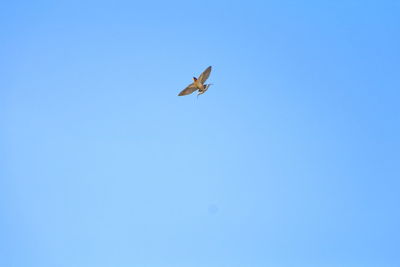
[(204, 76), (188, 90)]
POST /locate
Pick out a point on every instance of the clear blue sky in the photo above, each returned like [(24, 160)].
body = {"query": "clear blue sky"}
[(290, 159)]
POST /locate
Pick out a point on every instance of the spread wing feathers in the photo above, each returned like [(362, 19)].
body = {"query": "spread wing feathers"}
[(204, 76), (188, 90)]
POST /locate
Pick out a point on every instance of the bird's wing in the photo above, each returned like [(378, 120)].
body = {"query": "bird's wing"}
[(188, 90), (204, 76)]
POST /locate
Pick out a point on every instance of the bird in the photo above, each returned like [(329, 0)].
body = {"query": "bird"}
[(198, 84)]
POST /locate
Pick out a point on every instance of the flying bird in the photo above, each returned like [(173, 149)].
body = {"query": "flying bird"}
[(198, 84)]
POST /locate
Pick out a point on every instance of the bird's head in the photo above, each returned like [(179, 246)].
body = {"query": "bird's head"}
[(194, 79)]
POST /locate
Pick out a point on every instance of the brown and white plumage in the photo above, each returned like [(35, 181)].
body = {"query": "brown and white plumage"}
[(204, 76), (198, 84)]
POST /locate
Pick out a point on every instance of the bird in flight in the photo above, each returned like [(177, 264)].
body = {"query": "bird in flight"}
[(198, 84)]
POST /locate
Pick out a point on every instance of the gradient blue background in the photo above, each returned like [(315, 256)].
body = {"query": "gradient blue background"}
[(290, 159)]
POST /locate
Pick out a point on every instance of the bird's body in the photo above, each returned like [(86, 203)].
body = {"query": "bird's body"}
[(198, 84)]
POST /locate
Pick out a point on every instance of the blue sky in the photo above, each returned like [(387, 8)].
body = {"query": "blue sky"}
[(291, 158)]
